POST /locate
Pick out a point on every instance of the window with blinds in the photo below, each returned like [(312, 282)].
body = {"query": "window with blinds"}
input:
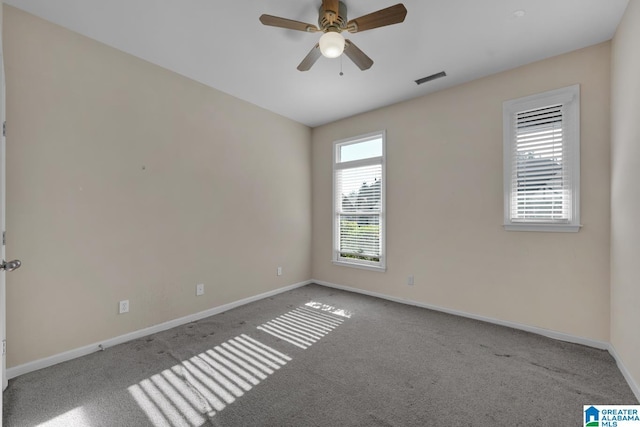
[(541, 150), (359, 201)]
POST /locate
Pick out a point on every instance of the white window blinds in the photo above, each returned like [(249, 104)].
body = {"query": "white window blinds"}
[(359, 209), (541, 150), (539, 173)]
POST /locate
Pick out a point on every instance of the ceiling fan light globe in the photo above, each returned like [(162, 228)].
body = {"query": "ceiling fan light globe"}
[(331, 44)]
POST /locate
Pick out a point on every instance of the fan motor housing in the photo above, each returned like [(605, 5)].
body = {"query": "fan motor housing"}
[(339, 22)]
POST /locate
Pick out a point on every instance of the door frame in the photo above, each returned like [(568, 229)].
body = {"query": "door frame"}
[(3, 331)]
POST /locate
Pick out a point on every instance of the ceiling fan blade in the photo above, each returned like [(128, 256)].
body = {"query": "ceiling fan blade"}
[(310, 59), (356, 55), (290, 24), (389, 16)]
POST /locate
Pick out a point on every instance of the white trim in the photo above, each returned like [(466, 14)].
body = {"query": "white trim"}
[(382, 160), (369, 161), (561, 336), (552, 228), (358, 139), (92, 348), (635, 388), (569, 97), (361, 266)]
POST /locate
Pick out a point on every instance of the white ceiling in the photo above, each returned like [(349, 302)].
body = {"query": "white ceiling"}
[(223, 45)]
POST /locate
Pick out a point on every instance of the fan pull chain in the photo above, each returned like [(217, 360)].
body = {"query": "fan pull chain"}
[(341, 73)]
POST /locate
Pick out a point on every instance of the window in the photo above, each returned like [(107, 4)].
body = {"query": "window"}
[(358, 201), (542, 161)]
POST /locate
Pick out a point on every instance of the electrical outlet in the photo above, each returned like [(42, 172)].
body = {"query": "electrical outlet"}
[(410, 280), (279, 271), (199, 289), (123, 307)]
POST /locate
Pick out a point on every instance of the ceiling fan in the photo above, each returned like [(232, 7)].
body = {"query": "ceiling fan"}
[(332, 22)]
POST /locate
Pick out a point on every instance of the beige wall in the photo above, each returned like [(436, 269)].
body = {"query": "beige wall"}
[(445, 204), (625, 195), (126, 181)]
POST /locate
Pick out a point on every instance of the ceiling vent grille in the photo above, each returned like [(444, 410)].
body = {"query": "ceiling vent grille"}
[(431, 77)]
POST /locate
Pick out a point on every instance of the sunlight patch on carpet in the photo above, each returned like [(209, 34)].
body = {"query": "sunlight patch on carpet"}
[(74, 417), (196, 389), (330, 309), (307, 324)]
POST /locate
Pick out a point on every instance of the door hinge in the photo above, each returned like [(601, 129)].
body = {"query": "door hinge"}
[(4, 238), (4, 128), (4, 347)]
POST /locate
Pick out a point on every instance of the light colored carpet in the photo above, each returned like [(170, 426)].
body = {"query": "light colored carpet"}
[(316, 356)]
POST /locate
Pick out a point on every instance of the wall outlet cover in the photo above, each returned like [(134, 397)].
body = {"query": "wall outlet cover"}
[(123, 306)]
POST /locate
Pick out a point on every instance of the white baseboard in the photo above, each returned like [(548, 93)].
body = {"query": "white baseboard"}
[(92, 348), (635, 388), (561, 336), (83, 351)]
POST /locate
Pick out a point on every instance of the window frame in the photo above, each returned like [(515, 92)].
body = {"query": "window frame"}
[(350, 262), (569, 98)]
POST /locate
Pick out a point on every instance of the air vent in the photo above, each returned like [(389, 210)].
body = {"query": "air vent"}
[(431, 77)]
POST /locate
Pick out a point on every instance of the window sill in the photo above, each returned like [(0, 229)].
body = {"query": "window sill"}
[(544, 228), (360, 266)]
